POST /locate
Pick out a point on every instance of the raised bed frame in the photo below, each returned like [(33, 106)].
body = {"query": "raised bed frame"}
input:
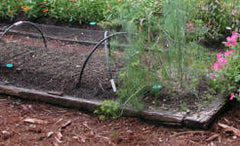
[(202, 119)]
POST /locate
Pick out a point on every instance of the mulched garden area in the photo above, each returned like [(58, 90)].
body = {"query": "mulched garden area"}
[(31, 123)]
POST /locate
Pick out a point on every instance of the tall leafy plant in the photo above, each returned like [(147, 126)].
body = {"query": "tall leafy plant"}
[(165, 59)]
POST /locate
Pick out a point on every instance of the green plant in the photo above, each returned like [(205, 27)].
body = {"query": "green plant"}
[(82, 11), (37, 9), (181, 68), (136, 12), (9, 9), (184, 107), (108, 109), (226, 76), (168, 58), (136, 81), (217, 16)]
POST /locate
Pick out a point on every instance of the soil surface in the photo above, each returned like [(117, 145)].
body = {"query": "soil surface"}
[(56, 68), (31, 123)]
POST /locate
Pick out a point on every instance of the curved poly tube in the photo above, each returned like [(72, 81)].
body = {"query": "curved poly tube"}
[(24, 22), (90, 54)]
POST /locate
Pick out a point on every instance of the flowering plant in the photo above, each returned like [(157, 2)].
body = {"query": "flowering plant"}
[(226, 70), (8, 9)]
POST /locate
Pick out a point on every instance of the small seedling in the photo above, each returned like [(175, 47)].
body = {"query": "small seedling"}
[(184, 107), (108, 109)]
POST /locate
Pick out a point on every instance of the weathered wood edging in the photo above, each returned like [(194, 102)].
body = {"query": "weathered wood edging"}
[(200, 120)]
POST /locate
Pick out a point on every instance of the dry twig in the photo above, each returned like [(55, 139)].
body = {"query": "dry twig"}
[(188, 132), (230, 128)]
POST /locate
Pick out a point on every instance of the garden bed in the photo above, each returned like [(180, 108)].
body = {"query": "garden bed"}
[(38, 73), (55, 70)]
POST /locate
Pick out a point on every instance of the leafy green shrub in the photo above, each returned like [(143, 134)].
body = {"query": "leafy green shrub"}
[(9, 9), (36, 9), (217, 16), (82, 11), (136, 12)]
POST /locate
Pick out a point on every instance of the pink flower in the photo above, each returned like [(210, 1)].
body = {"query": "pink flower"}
[(190, 26), (233, 39), (231, 51), (232, 96), (228, 53), (222, 60), (213, 76), (223, 78), (219, 55), (234, 35), (217, 65)]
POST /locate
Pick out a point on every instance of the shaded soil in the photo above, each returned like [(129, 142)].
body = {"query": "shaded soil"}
[(71, 127)]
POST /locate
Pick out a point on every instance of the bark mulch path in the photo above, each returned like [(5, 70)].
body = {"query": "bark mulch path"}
[(31, 123)]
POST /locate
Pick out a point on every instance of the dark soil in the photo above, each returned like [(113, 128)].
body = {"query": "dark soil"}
[(56, 69)]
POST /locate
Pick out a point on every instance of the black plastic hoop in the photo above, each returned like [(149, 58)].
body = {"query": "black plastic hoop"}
[(24, 22), (78, 85)]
